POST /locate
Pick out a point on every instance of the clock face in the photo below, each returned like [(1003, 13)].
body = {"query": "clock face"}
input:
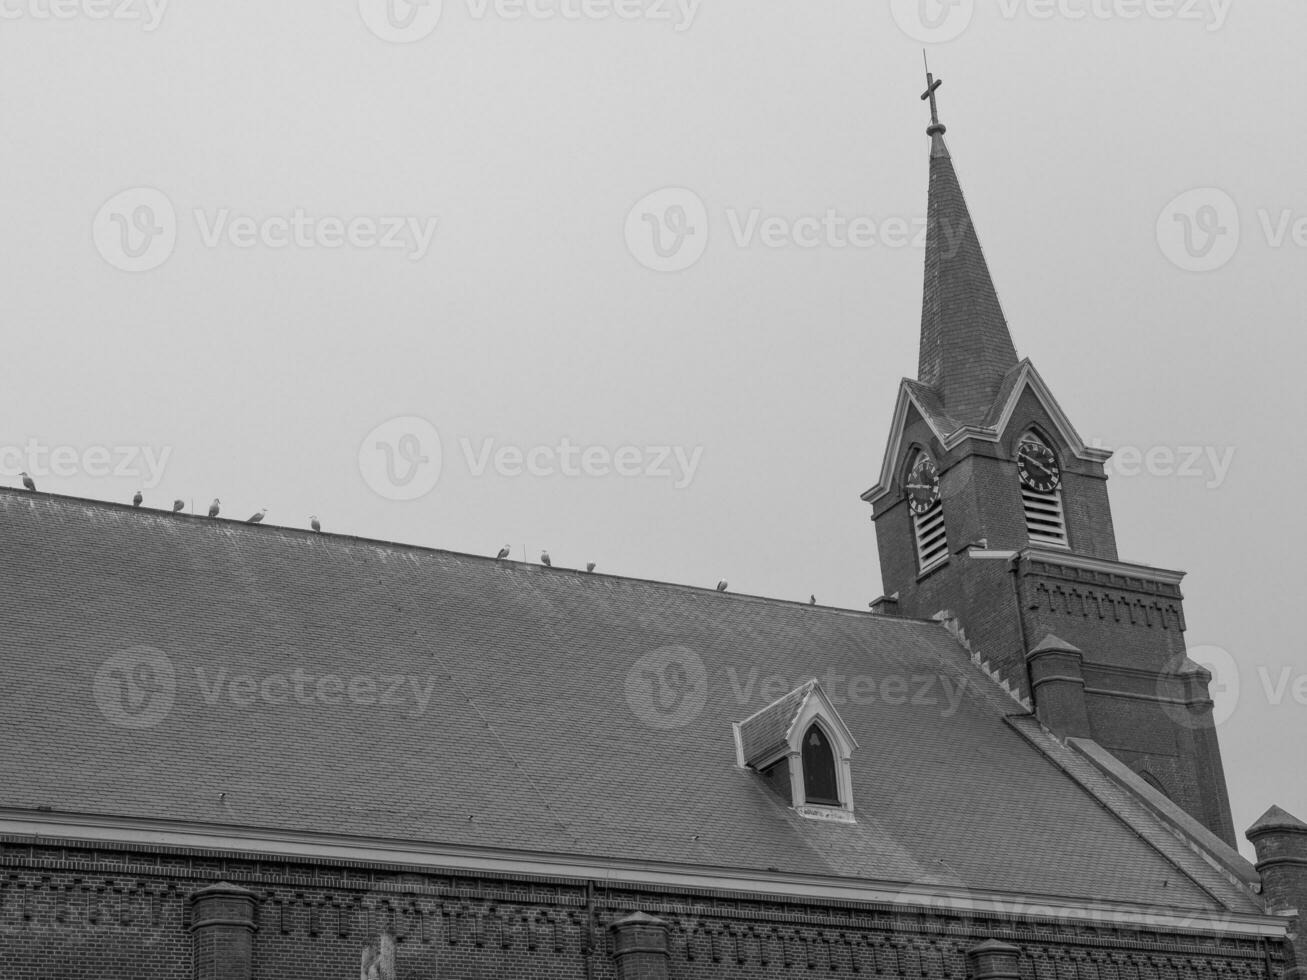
[(923, 486), (1038, 467)]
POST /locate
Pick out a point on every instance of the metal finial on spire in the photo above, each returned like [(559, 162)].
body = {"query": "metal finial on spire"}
[(936, 127)]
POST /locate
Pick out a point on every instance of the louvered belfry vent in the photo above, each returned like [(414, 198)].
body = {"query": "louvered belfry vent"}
[(1045, 516), (932, 541)]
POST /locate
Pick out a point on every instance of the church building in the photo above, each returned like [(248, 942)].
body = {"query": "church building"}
[(247, 752)]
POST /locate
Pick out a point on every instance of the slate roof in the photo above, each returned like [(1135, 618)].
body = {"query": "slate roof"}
[(966, 348), (525, 716)]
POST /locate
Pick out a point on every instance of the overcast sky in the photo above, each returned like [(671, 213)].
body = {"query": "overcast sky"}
[(243, 236)]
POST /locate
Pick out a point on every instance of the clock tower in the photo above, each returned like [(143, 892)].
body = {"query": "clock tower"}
[(992, 513)]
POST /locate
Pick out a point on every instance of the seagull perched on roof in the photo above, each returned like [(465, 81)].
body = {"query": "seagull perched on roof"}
[(256, 518), (721, 586), (589, 566), (546, 560), (215, 507), (812, 600), (504, 552), (28, 482), (315, 524), (138, 499), (178, 506)]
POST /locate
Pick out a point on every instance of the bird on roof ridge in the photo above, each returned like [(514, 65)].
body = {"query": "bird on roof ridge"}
[(812, 600), (215, 507), (28, 482), (546, 560), (315, 524), (256, 518), (590, 566), (138, 498), (722, 586), (504, 552), (178, 506)]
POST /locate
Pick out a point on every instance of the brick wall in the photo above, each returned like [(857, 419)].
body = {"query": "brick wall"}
[(69, 912)]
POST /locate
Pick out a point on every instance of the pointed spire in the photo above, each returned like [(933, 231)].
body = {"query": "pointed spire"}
[(965, 346)]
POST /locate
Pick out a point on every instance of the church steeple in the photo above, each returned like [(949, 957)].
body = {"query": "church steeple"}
[(992, 514), (966, 349)]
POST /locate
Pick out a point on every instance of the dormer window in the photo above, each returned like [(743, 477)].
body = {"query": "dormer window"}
[(801, 747), (922, 491), (1041, 492)]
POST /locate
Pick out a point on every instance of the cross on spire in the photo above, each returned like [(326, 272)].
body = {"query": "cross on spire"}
[(936, 127)]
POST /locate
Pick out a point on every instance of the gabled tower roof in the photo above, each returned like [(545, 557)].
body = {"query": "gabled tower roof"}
[(966, 349)]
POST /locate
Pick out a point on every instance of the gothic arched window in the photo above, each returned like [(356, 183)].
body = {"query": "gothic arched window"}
[(820, 782)]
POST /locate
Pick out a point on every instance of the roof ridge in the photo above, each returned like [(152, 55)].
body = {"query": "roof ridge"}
[(269, 527)]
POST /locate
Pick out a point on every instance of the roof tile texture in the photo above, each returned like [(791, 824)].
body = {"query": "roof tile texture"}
[(512, 708)]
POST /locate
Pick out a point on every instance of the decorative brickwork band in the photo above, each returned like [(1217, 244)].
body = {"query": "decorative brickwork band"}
[(640, 947), (222, 932), (1281, 842), (993, 960)]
